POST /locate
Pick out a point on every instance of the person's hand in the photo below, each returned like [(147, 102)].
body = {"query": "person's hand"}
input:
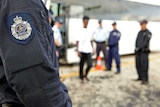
[(57, 54), (94, 51), (79, 54), (136, 49)]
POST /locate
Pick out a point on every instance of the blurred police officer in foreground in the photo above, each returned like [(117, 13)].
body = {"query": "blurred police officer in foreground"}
[(28, 64), (113, 52), (100, 36), (142, 51)]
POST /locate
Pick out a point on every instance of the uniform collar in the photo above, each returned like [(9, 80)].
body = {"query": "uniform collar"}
[(144, 30)]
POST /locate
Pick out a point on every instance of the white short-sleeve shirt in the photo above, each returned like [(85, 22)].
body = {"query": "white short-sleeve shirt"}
[(84, 41), (100, 34), (57, 34)]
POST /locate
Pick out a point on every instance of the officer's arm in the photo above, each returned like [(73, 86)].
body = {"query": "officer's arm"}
[(57, 42), (77, 42), (145, 41), (109, 39)]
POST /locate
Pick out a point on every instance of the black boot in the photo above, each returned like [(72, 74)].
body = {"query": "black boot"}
[(144, 82)]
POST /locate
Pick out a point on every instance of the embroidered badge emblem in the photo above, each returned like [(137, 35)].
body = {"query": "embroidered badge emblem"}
[(21, 30)]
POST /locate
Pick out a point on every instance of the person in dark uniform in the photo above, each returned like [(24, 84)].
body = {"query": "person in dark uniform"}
[(142, 51), (100, 35), (113, 52), (28, 64)]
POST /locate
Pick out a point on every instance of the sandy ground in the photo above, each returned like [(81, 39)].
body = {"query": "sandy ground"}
[(105, 89)]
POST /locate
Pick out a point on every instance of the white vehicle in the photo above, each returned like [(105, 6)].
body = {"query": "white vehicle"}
[(125, 13)]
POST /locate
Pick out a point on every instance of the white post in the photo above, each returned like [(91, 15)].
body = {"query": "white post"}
[(48, 3), (43, 1)]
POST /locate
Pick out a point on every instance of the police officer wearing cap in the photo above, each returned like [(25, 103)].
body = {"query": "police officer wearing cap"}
[(28, 64), (58, 23), (100, 35), (142, 51), (113, 52)]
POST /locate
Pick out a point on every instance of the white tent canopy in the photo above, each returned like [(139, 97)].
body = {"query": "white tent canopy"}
[(150, 2)]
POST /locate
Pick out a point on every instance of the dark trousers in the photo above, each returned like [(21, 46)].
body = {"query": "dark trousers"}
[(142, 65), (113, 53), (102, 47), (85, 57)]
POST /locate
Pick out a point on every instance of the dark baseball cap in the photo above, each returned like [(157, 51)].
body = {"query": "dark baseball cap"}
[(143, 21), (58, 19), (100, 21), (114, 23), (85, 17)]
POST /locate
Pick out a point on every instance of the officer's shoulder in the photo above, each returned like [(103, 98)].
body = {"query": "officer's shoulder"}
[(149, 32), (55, 30), (118, 31)]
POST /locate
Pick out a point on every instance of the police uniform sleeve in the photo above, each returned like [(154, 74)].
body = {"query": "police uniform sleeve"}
[(109, 39), (28, 53), (55, 33), (20, 36)]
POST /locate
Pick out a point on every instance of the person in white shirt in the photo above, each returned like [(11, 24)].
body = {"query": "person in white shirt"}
[(58, 23), (100, 36), (85, 49)]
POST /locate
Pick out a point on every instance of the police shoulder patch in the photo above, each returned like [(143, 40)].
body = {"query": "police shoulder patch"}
[(20, 28)]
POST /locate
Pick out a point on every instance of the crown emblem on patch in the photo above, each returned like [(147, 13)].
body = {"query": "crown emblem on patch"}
[(17, 19)]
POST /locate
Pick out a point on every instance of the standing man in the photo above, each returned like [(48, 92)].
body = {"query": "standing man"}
[(85, 48), (58, 23), (28, 64), (100, 36), (142, 51), (113, 52)]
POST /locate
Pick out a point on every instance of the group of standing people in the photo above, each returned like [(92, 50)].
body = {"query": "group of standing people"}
[(101, 36), (104, 39)]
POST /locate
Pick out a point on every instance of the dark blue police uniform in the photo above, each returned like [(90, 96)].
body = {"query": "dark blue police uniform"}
[(113, 40), (28, 64), (142, 52)]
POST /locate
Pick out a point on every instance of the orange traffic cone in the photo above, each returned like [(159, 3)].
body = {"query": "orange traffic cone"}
[(99, 63)]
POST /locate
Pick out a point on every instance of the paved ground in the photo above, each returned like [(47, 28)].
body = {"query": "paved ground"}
[(105, 89)]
